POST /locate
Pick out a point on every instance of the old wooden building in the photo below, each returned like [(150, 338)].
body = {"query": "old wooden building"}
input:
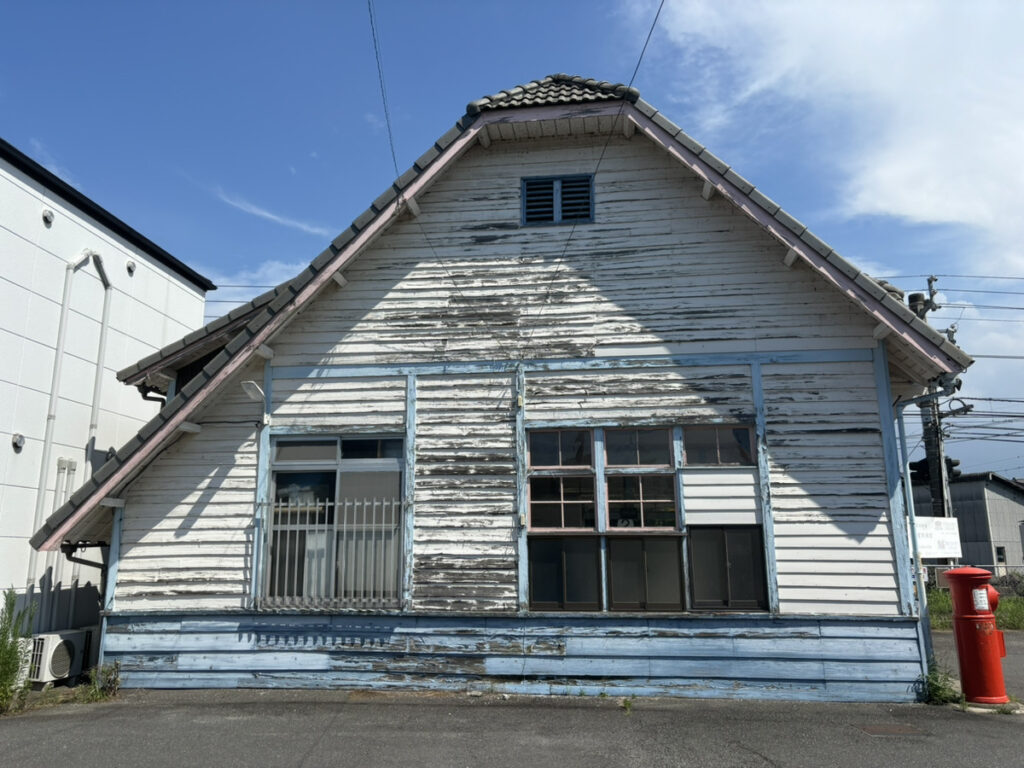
[(572, 407)]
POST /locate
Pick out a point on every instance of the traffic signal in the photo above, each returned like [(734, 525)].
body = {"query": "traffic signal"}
[(919, 472), (951, 468)]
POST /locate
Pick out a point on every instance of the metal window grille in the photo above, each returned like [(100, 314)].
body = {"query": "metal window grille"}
[(329, 555)]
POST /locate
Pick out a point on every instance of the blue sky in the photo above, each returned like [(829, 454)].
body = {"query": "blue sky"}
[(242, 136)]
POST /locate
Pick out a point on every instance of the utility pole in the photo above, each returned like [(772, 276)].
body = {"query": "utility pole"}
[(938, 478)]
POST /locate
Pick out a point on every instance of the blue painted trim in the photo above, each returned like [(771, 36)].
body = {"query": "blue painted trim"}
[(574, 364), (262, 488), (764, 481), (409, 529), (113, 558), (892, 473), (172, 390), (522, 511)]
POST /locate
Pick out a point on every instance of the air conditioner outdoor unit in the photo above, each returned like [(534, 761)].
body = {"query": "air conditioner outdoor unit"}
[(58, 655)]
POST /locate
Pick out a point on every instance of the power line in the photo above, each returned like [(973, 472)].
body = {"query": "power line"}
[(957, 277)]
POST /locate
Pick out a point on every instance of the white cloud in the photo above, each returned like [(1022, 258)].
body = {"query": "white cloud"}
[(923, 99), (247, 207), (46, 159)]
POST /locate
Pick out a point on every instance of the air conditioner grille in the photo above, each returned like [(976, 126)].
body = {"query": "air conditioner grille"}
[(60, 661), (36, 662)]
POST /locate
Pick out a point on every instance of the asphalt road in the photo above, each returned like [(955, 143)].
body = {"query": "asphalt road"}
[(151, 729)]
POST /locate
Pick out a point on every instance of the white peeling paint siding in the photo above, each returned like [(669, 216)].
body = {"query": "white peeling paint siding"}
[(660, 271), (148, 309), (188, 520), (659, 268), (833, 540), (464, 542)]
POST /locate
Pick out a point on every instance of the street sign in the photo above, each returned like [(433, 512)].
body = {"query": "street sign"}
[(938, 537)]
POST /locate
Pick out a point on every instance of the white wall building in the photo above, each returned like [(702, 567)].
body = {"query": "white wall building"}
[(82, 294)]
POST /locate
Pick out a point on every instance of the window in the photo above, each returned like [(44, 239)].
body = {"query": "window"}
[(1001, 555), (727, 568), (604, 530), (558, 200), (333, 529)]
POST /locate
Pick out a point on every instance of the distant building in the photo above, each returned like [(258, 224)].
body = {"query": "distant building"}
[(990, 509), (82, 294)]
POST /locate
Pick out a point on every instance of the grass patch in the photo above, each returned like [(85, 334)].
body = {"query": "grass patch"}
[(14, 653), (940, 687), (940, 609), (104, 683), (1009, 614)]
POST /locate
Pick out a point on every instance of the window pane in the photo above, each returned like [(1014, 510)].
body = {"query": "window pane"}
[(578, 488), (579, 515), (304, 487), (746, 567), (581, 573), (545, 573), (545, 489), (392, 448), (622, 488), (543, 449), (654, 446), (306, 450), (624, 514), (664, 574), (708, 567), (620, 446), (359, 449), (546, 515), (626, 574), (734, 446), (371, 485), (575, 447), (659, 487), (701, 446), (659, 514)]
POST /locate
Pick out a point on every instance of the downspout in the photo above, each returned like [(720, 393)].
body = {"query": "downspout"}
[(51, 412), (97, 387), (924, 622)]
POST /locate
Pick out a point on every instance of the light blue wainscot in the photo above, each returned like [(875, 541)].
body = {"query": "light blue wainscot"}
[(729, 656)]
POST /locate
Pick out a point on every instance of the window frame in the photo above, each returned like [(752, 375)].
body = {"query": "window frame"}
[(601, 470), (557, 207), (340, 467)]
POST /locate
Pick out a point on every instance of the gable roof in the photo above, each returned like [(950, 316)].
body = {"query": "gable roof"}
[(102, 216), (561, 103)]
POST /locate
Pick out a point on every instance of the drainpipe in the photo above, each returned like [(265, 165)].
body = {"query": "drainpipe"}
[(949, 385), (51, 411), (101, 352)]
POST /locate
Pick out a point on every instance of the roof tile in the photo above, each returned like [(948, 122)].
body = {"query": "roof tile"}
[(689, 142), (764, 201), (797, 226), (739, 182), (714, 162), (816, 242)]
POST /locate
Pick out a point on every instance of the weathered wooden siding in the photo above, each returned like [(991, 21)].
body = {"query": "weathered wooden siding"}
[(188, 521), (660, 266), (678, 395), (464, 542), (806, 658), (833, 541), (374, 404)]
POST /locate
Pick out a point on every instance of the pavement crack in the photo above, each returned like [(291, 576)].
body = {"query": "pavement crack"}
[(761, 755), (328, 728)]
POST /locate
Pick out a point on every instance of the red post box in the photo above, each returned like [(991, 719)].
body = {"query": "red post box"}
[(979, 645)]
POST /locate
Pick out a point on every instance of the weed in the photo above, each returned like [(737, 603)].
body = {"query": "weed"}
[(14, 653), (940, 687), (603, 694), (580, 692), (104, 683), (940, 609), (627, 704)]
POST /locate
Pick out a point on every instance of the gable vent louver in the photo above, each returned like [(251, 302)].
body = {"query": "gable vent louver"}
[(557, 200)]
